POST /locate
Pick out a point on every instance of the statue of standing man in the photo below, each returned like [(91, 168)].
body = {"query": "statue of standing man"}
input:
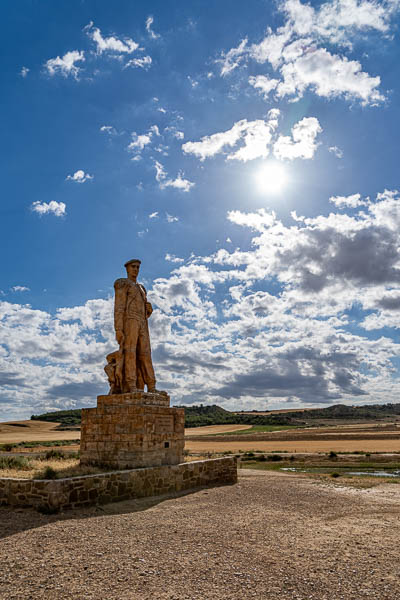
[(131, 367)]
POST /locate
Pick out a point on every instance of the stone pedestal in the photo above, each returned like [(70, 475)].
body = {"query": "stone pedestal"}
[(132, 430)]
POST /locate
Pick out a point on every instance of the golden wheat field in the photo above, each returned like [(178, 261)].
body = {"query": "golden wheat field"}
[(33, 431)]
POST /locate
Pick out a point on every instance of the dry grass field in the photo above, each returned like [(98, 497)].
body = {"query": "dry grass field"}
[(374, 437), (33, 431), (293, 446)]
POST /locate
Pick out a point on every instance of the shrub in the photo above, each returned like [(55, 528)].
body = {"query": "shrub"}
[(15, 462), (48, 473), (291, 457), (274, 457), (261, 458), (7, 447), (335, 474), (332, 454), (55, 454)]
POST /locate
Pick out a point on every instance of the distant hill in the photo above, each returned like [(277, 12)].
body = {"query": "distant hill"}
[(198, 416), (65, 417), (342, 411)]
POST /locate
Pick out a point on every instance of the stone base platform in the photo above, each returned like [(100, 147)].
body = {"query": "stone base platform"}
[(132, 430), (114, 486)]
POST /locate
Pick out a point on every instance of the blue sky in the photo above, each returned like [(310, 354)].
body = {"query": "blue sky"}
[(247, 153)]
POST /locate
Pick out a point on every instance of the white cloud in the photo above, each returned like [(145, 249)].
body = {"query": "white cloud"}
[(271, 48), (179, 183), (110, 44), (108, 129), (171, 218), (302, 144), (336, 151), (296, 54), (263, 83), (79, 176), (339, 19), (20, 288), (66, 65), (352, 201), (52, 207), (153, 215), (142, 63), (179, 135), (173, 258), (149, 23), (232, 59), (257, 137), (257, 221), (141, 141), (160, 171), (24, 71), (329, 76)]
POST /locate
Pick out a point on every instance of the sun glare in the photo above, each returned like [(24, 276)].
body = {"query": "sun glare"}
[(271, 178)]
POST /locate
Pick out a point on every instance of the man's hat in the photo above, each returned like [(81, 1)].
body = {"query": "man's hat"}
[(133, 260)]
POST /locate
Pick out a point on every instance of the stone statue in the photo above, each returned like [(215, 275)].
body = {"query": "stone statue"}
[(130, 367)]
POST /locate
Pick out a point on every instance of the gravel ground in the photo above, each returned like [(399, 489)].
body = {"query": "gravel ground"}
[(272, 536)]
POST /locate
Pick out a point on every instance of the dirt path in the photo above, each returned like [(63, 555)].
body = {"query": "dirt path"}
[(270, 537)]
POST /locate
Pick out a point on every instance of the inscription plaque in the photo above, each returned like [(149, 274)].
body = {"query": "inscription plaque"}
[(164, 423)]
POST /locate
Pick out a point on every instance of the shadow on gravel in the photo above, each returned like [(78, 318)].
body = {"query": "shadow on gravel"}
[(16, 520)]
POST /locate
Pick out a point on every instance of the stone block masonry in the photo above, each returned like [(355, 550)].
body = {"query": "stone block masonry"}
[(132, 430), (114, 486)]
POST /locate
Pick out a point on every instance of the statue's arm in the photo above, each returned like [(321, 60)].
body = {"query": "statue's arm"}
[(120, 288), (149, 308)]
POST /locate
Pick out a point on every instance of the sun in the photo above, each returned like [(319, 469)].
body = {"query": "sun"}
[(271, 178)]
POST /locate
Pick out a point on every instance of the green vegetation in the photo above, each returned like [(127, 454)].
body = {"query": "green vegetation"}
[(48, 444), (65, 417), (198, 416), (15, 462), (341, 411), (47, 473)]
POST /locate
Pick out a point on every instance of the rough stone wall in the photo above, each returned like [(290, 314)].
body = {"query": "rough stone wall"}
[(132, 430), (74, 492)]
